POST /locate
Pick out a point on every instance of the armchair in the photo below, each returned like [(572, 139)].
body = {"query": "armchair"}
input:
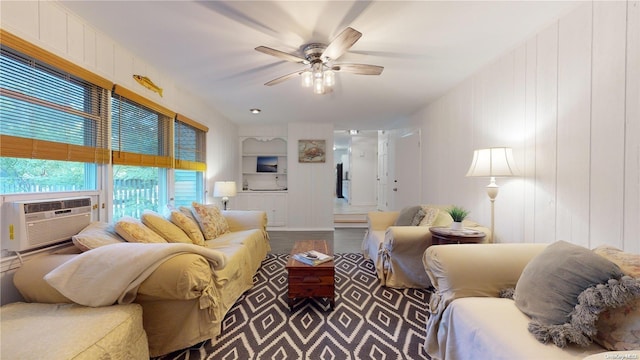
[(396, 250)]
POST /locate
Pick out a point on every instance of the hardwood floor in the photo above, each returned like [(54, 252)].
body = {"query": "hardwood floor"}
[(342, 240), (347, 239)]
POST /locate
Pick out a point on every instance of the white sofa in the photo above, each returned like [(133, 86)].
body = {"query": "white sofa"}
[(185, 298), (468, 319), (70, 331)]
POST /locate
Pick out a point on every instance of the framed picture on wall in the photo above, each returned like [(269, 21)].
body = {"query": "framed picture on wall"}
[(312, 151)]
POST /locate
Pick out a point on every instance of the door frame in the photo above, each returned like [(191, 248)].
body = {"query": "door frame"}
[(404, 168)]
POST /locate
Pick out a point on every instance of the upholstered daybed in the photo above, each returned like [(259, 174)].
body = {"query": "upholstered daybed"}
[(185, 290)]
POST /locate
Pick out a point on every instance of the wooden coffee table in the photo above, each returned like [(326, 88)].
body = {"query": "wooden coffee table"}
[(311, 281)]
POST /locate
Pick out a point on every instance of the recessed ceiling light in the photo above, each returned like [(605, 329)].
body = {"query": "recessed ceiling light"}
[(255, 111)]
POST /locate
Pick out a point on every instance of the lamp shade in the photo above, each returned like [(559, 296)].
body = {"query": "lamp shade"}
[(492, 162), (224, 189)]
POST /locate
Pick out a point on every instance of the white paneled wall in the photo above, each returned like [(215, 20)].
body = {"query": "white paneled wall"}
[(608, 121), (51, 26), (568, 102), (574, 74), (311, 185), (632, 130)]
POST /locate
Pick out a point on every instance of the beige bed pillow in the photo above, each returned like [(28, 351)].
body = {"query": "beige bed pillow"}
[(186, 211), (95, 235), (211, 221), (430, 215), (189, 226), (133, 230), (165, 228)]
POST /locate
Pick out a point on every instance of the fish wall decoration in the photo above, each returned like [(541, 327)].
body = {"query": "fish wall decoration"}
[(146, 82)]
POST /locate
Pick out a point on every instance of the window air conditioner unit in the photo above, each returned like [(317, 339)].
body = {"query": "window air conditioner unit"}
[(31, 224)]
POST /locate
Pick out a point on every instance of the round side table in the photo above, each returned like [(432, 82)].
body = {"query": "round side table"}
[(443, 235)]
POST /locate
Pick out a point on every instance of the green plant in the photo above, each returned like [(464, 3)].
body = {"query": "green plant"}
[(458, 213)]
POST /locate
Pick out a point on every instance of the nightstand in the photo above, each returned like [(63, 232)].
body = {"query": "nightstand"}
[(442, 235)]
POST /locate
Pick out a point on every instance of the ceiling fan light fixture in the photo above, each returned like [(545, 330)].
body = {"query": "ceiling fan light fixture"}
[(318, 86), (307, 79), (317, 70), (321, 73), (329, 78)]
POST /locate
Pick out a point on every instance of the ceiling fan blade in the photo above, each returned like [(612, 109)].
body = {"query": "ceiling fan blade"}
[(360, 69), (343, 42), (284, 78), (281, 54)]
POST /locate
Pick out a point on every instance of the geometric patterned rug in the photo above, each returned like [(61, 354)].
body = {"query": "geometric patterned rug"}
[(369, 321)]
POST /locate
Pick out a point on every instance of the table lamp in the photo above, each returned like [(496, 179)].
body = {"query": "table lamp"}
[(224, 189), (493, 162)]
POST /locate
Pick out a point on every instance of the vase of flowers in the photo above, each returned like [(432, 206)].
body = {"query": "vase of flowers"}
[(458, 214)]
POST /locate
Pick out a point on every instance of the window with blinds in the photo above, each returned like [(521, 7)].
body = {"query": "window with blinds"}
[(49, 114), (142, 148), (53, 124), (189, 144), (190, 161), (140, 131)]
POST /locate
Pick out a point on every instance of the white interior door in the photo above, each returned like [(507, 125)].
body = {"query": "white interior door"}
[(407, 174)]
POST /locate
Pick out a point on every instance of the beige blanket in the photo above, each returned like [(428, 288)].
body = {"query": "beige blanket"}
[(113, 273)]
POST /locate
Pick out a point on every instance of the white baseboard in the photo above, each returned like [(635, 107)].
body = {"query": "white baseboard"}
[(298, 229)]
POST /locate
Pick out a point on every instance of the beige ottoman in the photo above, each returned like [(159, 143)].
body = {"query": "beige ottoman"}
[(70, 331)]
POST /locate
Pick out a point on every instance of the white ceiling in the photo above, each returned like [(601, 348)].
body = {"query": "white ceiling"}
[(426, 48)]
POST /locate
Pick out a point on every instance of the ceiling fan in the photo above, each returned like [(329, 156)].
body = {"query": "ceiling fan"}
[(320, 57)]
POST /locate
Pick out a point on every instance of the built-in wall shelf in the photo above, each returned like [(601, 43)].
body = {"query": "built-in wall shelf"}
[(266, 174), (263, 174), (263, 154), (263, 163)]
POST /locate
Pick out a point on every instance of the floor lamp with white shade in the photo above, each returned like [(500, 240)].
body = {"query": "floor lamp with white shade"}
[(493, 162)]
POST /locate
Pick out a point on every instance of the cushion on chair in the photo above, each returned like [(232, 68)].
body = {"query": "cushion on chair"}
[(406, 216), (442, 219), (430, 215), (565, 288)]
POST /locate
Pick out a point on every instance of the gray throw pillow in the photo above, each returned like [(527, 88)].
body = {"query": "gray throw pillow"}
[(565, 288), (417, 218), (405, 218)]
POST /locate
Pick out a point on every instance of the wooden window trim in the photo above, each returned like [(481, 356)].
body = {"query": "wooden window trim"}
[(135, 159), (19, 147), (25, 47), (141, 100), (191, 122), (190, 165)]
